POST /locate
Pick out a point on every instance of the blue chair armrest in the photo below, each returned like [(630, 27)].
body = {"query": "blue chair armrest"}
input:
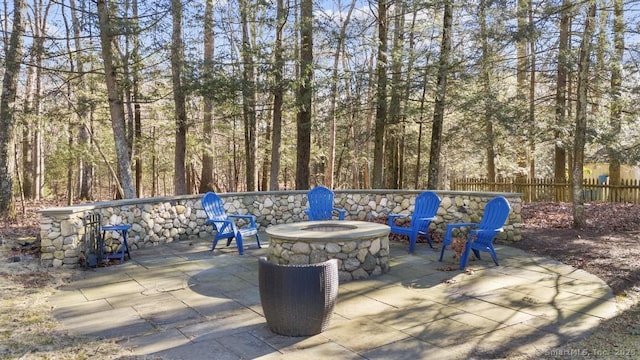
[(341, 213), (449, 233), (225, 225), (475, 231), (392, 218), (251, 218), (421, 221)]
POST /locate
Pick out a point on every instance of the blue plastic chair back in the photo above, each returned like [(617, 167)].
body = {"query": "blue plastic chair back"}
[(424, 212), (321, 204), (214, 208), (426, 206), (495, 215)]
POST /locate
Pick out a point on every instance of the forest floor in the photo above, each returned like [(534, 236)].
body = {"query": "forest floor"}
[(609, 247)]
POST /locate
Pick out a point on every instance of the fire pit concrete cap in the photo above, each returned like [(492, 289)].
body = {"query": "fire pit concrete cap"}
[(328, 231)]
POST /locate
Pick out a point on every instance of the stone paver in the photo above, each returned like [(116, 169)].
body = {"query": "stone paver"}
[(180, 301)]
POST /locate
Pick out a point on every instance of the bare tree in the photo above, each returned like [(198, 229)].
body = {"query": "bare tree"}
[(206, 178), (579, 217), (395, 126), (615, 118), (303, 101), (7, 120), (278, 98), (521, 83), (333, 94), (560, 153), (381, 97), (249, 98), (116, 106), (485, 79), (177, 64), (83, 109), (441, 91)]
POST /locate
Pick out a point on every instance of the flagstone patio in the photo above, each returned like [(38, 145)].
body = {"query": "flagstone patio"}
[(181, 301)]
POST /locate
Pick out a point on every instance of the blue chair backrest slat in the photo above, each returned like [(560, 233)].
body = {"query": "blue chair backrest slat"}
[(214, 208), (495, 214), (427, 204), (320, 203)]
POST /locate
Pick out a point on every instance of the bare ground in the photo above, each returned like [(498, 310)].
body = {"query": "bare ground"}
[(608, 247)]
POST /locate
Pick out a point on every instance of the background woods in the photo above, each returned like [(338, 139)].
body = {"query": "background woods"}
[(126, 98)]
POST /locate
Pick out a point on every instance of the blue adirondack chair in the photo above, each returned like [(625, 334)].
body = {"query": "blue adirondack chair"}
[(225, 225), (425, 209), (321, 204), (482, 234)]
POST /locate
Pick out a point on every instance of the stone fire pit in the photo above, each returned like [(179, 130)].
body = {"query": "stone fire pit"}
[(362, 248)]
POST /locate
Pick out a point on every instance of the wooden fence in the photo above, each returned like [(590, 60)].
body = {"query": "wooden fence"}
[(546, 190)]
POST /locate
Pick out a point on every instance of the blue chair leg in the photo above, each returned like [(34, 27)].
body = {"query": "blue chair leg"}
[(426, 235), (494, 256), (412, 244), (215, 242), (477, 254), (445, 242), (239, 243), (258, 241), (465, 256)]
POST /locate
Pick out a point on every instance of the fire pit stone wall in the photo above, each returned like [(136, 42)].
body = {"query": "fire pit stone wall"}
[(166, 219), (362, 248)]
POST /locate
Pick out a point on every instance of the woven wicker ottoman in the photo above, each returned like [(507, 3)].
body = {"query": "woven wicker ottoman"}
[(298, 300)]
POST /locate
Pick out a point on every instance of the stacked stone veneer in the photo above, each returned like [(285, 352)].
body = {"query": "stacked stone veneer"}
[(356, 259), (162, 220), (362, 250)]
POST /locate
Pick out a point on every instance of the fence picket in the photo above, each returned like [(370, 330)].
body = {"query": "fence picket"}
[(546, 189)]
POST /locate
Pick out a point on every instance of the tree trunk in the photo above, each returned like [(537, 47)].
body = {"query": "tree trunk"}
[(278, 99), (423, 97), (137, 113), (560, 161), (7, 120), (381, 97), (579, 217), (333, 94), (393, 136), (409, 79), (116, 107), (179, 98), (85, 167), (206, 178), (303, 118), (249, 98), (531, 134), (521, 86), (433, 182), (615, 119), (27, 133), (39, 27), (485, 79), (71, 119)]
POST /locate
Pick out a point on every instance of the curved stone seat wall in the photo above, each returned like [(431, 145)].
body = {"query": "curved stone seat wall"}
[(166, 219)]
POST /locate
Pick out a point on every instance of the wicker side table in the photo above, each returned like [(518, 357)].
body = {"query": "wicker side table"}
[(298, 300)]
